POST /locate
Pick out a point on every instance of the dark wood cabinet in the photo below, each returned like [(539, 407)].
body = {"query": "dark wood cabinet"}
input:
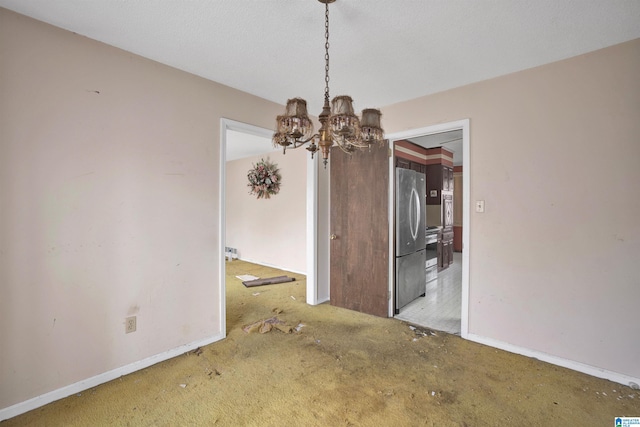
[(408, 164), (434, 184), (447, 231), (445, 249), (447, 178), (451, 179), (403, 163), (440, 193), (440, 251), (445, 255), (418, 167), (439, 179)]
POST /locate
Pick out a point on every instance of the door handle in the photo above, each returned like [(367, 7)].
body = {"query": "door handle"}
[(333, 237), (414, 199)]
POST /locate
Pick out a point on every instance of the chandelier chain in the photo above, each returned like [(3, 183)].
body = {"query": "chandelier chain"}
[(326, 52), (339, 124)]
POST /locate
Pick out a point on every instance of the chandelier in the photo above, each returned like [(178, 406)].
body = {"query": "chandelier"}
[(339, 124)]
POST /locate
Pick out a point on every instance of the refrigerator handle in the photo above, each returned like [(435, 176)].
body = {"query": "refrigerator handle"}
[(416, 200)]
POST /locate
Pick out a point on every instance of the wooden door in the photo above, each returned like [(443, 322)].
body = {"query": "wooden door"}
[(359, 249)]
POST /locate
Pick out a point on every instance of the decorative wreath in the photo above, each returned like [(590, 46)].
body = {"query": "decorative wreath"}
[(264, 179)]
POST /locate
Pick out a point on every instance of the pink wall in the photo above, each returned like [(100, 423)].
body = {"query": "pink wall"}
[(109, 167), (269, 231), (109, 205), (554, 153)]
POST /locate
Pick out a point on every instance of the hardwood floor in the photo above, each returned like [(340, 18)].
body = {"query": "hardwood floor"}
[(439, 309)]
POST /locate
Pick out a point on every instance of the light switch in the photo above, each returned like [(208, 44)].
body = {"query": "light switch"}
[(480, 206)]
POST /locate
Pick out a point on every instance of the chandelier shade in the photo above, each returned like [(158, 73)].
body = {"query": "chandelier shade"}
[(339, 124), (370, 127), (295, 121), (344, 124)]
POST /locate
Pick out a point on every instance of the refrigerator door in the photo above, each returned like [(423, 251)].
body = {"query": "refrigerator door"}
[(410, 211), (411, 280)]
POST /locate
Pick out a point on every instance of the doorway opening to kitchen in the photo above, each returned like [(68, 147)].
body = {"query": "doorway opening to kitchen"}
[(444, 306)]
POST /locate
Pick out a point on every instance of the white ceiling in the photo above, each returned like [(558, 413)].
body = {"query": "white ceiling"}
[(240, 145), (382, 52)]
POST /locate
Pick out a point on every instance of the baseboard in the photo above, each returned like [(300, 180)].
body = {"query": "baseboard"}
[(559, 361), (272, 266), (36, 402)]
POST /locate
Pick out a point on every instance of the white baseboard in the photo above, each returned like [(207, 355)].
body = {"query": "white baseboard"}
[(272, 266), (559, 361), (36, 402)]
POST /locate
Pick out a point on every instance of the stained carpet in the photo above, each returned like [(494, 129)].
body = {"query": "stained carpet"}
[(339, 368)]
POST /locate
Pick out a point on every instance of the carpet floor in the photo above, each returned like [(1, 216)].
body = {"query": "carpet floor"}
[(337, 368)]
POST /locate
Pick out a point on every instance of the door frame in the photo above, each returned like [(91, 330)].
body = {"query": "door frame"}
[(312, 215), (466, 205)]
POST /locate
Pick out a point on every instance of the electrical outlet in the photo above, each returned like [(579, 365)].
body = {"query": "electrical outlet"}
[(130, 324)]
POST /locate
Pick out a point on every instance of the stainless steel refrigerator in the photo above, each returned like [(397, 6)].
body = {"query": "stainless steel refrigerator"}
[(410, 236)]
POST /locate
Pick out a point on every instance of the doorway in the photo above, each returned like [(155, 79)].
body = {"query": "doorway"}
[(457, 275), (257, 143)]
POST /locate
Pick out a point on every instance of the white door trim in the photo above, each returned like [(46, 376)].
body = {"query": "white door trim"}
[(312, 231), (466, 204)]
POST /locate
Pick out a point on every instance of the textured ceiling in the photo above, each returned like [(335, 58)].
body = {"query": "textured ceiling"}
[(382, 52), (241, 145)]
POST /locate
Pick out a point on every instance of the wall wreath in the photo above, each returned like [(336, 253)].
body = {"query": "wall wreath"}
[(264, 179)]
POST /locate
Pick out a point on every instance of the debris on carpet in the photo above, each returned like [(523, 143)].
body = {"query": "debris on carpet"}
[(421, 332), (268, 281), (267, 325)]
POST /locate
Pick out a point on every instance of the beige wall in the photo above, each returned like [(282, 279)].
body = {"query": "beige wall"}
[(555, 154), (108, 206), (269, 231)]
